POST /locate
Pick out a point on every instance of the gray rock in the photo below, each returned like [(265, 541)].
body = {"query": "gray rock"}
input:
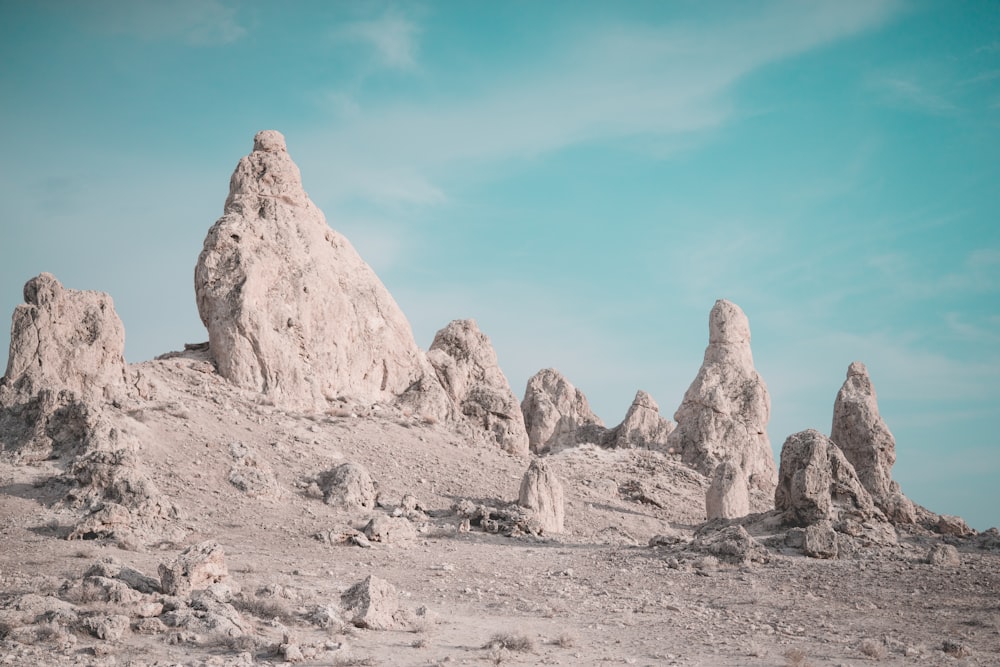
[(291, 308), (860, 432), (643, 426), (943, 554), (542, 494), (816, 482), (467, 368), (388, 529), (556, 414), (820, 540), (350, 486), (725, 411), (197, 567), (371, 603), (727, 496)]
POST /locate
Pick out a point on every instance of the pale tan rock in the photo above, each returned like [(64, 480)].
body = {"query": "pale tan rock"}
[(816, 482), (467, 367), (861, 433), (291, 308), (727, 496), (725, 411), (350, 486), (65, 339), (953, 525), (197, 567), (820, 540), (542, 493), (643, 426), (371, 603), (556, 414), (388, 529), (943, 554)]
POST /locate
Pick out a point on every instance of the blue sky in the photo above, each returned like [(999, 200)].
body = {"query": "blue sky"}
[(584, 179)]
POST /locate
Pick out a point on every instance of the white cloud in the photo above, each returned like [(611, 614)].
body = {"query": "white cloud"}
[(610, 83), (912, 94), (392, 37), (199, 22)]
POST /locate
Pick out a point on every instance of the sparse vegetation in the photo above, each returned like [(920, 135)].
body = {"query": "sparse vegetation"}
[(566, 640), (873, 649), (264, 608), (353, 661), (796, 657), (510, 642)]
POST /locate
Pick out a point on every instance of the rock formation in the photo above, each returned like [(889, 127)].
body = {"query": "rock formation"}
[(556, 414), (291, 308), (725, 411), (542, 493), (371, 603), (66, 361), (349, 485), (197, 567), (467, 368), (728, 496), (859, 431), (816, 482), (643, 427)]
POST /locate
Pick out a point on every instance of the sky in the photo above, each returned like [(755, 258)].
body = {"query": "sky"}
[(584, 179)]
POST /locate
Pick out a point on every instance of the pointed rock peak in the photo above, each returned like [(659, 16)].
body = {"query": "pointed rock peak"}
[(857, 368), (860, 432), (466, 365), (291, 308), (643, 427), (727, 324), (644, 400), (269, 141), (725, 411), (557, 414)]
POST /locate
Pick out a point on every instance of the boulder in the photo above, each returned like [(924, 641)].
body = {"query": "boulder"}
[(387, 529), (291, 308), (542, 493), (727, 496), (371, 603), (725, 411), (643, 426), (820, 540), (196, 568), (860, 432), (943, 554), (349, 486), (556, 414), (953, 525), (817, 483), (467, 368)]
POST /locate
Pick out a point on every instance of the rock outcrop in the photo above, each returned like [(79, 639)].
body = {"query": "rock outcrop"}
[(66, 361), (860, 432), (725, 411), (542, 493), (467, 368), (643, 426), (371, 603), (556, 414), (291, 308), (816, 482), (197, 567), (727, 496), (349, 486)]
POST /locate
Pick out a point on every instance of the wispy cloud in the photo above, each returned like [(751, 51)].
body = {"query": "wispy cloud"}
[(616, 82), (392, 38), (198, 22), (912, 94)]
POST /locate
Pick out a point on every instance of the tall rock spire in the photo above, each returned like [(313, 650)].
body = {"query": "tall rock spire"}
[(725, 411)]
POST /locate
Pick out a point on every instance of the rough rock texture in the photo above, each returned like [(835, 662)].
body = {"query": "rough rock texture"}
[(732, 544), (66, 339), (943, 554), (820, 540), (197, 567), (372, 603), (556, 414), (66, 361), (725, 411), (467, 368), (291, 308), (349, 485), (816, 482), (390, 530), (727, 497), (860, 432), (952, 525), (643, 426), (542, 492)]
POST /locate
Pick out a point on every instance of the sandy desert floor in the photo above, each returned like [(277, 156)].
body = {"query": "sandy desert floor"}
[(597, 594)]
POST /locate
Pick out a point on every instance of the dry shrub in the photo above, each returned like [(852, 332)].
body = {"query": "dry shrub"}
[(339, 412), (796, 657), (566, 640), (353, 661), (264, 608), (873, 649), (510, 642), (954, 649), (420, 643), (430, 420), (239, 644)]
